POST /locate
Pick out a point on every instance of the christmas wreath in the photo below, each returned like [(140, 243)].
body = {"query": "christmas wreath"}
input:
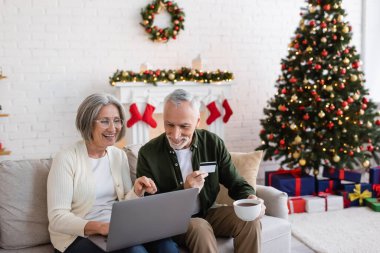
[(171, 75), (162, 34)]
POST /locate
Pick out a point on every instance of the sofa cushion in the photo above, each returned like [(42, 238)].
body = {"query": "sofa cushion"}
[(247, 164), (23, 207), (132, 152)]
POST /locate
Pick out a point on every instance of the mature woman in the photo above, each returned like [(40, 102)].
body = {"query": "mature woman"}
[(88, 177)]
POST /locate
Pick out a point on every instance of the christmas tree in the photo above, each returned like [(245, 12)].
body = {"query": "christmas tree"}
[(321, 116)]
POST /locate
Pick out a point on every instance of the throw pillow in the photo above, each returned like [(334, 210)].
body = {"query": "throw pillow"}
[(132, 152), (23, 204), (247, 164)]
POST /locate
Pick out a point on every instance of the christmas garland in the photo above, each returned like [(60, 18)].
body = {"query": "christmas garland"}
[(162, 34), (172, 76)]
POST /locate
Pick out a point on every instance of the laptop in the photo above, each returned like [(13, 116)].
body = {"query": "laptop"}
[(147, 219)]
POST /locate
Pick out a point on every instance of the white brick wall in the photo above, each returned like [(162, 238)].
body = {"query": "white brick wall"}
[(56, 52)]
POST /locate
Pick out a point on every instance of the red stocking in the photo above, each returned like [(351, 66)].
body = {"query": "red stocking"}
[(135, 115), (228, 110), (214, 113), (148, 116)]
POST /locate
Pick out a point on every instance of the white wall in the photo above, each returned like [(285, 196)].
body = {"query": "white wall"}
[(56, 52), (371, 54)]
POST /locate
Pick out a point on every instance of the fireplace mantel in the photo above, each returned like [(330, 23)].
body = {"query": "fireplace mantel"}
[(141, 93)]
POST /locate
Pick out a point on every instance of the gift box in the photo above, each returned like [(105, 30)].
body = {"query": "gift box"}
[(374, 175), (327, 185), (342, 174), (332, 202), (293, 184), (346, 200), (376, 190), (270, 174), (296, 205), (356, 193), (314, 204), (373, 203)]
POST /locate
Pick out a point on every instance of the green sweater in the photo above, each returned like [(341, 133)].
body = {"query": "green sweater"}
[(158, 161)]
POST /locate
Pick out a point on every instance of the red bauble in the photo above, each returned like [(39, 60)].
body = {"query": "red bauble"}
[(351, 153), (282, 142), (339, 112), (344, 103), (318, 99), (323, 25), (342, 86), (377, 122), (355, 65), (322, 82), (293, 79), (306, 116), (313, 92), (330, 125), (370, 148), (332, 107), (343, 71), (324, 53), (262, 131), (301, 108), (327, 7), (365, 100), (276, 151), (283, 91), (364, 106), (347, 50), (312, 23), (334, 37), (270, 137), (350, 100), (283, 66), (317, 67), (304, 41)]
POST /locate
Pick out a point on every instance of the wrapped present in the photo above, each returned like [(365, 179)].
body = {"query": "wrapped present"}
[(293, 184), (373, 203), (374, 175), (270, 174), (332, 202), (357, 193), (314, 204), (342, 174), (327, 185), (296, 205), (376, 190), (346, 200)]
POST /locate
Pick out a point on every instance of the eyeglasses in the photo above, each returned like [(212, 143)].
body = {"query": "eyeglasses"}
[(106, 123)]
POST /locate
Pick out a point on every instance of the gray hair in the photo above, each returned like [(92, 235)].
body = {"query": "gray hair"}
[(88, 112), (180, 95)]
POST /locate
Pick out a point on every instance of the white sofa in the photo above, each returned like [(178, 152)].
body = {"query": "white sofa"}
[(24, 222)]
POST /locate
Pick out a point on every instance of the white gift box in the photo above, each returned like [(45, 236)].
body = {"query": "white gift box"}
[(333, 202), (314, 204)]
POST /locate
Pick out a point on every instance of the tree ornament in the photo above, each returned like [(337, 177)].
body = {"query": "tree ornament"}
[(321, 114), (345, 29), (340, 18), (162, 34), (309, 49), (294, 98), (356, 96), (336, 158), (346, 61), (294, 126), (302, 162), (366, 164), (297, 140), (296, 154), (323, 40), (326, 7), (324, 53), (171, 76)]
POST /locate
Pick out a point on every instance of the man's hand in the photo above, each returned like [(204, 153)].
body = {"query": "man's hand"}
[(195, 180), (144, 184), (263, 207)]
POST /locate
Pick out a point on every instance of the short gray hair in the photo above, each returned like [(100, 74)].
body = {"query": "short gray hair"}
[(179, 95), (89, 109)]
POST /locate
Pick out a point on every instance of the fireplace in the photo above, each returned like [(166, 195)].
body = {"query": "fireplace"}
[(140, 93)]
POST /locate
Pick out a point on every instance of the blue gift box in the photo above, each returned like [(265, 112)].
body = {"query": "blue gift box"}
[(374, 175), (342, 174), (356, 193), (327, 185), (294, 184)]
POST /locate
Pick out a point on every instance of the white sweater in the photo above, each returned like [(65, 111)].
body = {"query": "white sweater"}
[(71, 191)]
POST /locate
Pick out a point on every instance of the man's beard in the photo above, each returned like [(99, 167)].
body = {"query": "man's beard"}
[(183, 142)]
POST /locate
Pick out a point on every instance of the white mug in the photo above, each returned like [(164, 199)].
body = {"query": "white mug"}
[(247, 209)]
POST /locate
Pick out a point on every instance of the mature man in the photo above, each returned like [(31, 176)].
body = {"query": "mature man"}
[(173, 160)]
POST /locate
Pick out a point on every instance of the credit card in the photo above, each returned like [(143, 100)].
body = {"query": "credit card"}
[(208, 167)]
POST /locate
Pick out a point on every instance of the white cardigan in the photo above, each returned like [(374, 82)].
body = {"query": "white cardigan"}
[(71, 191)]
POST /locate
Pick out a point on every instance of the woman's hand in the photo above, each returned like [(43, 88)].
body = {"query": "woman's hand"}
[(144, 184), (96, 227)]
